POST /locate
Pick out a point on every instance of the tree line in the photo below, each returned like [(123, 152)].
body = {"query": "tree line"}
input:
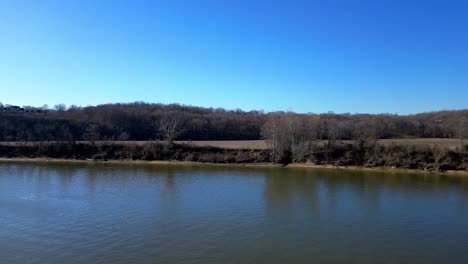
[(148, 121)]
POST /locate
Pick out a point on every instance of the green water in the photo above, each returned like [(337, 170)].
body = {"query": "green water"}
[(91, 213)]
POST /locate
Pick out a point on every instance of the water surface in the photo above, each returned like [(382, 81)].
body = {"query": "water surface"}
[(108, 213)]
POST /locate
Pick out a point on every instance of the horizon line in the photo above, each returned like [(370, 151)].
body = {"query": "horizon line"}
[(67, 106)]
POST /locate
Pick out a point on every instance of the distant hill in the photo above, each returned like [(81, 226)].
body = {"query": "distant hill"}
[(145, 121)]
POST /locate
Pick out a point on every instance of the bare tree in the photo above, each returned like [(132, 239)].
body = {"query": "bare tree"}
[(60, 107), (171, 127), (281, 131), (438, 153), (92, 133), (461, 132)]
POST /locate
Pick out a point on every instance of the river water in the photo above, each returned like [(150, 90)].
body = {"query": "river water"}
[(112, 213)]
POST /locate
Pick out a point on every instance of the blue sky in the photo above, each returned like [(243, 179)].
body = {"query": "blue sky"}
[(306, 56)]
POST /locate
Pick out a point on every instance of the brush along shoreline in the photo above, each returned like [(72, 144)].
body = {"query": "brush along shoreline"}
[(359, 155)]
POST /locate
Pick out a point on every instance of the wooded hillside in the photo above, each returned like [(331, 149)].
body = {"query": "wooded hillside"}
[(145, 121)]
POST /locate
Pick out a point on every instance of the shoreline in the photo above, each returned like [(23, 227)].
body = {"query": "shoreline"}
[(257, 165)]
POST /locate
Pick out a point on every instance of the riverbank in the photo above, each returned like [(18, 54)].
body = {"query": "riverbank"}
[(257, 165), (363, 155)]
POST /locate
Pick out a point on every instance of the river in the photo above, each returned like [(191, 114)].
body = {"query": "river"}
[(113, 213)]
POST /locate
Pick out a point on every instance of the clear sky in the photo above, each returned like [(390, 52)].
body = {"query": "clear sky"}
[(307, 56)]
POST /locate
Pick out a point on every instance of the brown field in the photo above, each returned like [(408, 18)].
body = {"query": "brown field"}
[(229, 144), (261, 144), (443, 142)]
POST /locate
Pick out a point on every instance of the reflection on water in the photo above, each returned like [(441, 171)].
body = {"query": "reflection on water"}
[(107, 213)]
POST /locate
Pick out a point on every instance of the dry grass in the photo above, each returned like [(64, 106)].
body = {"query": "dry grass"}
[(261, 144), (443, 142), (419, 142), (230, 144)]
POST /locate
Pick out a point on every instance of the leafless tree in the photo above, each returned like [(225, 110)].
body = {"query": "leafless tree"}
[(461, 132), (60, 107), (171, 127), (438, 153), (282, 131), (271, 131), (92, 133)]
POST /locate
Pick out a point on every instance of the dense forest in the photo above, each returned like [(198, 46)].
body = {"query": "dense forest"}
[(146, 121)]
